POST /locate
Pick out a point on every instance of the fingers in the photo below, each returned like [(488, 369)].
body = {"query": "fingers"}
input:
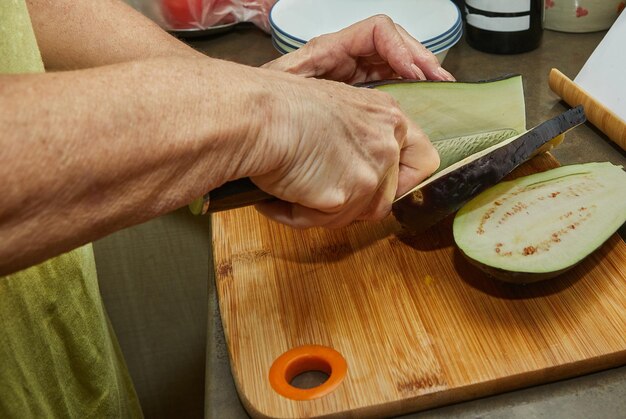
[(364, 197), (299, 216), (423, 58), (378, 35), (380, 205), (342, 154), (403, 53), (418, 159), (367, 203), (375, 48)]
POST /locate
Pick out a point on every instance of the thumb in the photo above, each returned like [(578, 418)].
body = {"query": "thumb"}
[(418, 159)]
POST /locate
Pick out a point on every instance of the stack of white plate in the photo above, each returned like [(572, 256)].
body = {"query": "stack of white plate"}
[(436, 24)]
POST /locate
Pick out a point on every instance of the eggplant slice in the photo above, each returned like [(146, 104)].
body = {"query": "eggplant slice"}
[(536, 227), (444, 193)]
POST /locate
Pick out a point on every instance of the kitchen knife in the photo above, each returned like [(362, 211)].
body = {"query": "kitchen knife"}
[(438, 196)]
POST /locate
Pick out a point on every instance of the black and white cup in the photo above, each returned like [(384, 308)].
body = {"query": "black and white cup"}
[(504, 26)]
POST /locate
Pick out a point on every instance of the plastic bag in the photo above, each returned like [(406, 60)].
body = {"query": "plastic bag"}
[(176, 15)]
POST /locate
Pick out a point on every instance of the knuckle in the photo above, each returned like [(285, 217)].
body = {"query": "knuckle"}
[(394, 107), (313, 43), (427, 57), (382, 19), (390, 100), (369, 184), (336, 202), (397, 114), (432, 59), (390, 152), (332, 200), (401, 133), (374, 95)]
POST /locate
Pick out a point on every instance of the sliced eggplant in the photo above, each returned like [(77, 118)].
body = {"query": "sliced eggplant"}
[(458, 109), (537, 227), (460, 118), (453, 150), (444, 193)]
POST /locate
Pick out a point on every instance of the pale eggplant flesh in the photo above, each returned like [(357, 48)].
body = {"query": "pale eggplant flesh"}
[(537, 227), (444, 193)]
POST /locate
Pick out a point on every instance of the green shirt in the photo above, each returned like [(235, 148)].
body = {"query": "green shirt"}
[(58, 355)]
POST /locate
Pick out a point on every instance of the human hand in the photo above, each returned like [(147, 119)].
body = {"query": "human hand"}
[(373, 49), (334, 153)]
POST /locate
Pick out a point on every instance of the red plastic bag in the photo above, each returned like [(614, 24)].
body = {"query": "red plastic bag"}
[(203, 14)]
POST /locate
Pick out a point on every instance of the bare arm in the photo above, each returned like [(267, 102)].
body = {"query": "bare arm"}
[(75, 34), (87, 152)]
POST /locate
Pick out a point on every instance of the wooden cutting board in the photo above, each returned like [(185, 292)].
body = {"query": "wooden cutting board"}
[(417, 326)]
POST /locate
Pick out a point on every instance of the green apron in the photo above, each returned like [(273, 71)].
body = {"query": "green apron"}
[(58, 355)]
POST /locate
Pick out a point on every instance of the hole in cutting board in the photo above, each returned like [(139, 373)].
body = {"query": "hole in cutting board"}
[(309, 379), (307, 372)]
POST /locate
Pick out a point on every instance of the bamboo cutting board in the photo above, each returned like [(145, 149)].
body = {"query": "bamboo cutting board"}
[(417, 326)]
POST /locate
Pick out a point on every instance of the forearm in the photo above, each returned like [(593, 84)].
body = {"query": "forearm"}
[(75, 34), (90, 152)]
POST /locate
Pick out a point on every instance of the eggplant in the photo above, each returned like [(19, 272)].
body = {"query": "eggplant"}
[(444, 193), (446, 110), (453, 150), (536, 227), (460, 118)]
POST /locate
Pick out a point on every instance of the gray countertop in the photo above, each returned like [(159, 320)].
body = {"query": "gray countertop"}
[(153, 277)]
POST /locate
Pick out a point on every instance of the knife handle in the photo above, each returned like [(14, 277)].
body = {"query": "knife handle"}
[(235, 194)]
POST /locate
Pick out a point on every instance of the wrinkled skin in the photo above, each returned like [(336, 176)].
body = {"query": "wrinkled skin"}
[(385, 153), (134, 124)]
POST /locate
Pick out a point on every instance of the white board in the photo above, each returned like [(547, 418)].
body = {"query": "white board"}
[(604, 74)]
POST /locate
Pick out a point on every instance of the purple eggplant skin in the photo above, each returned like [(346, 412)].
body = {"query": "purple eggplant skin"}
[(425, 207), (519, 278), (377, 83)]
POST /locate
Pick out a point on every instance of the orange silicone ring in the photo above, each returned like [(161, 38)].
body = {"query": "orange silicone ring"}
[(307, 358)]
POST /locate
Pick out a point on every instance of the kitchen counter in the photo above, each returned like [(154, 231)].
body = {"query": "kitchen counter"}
[(153, 277)]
